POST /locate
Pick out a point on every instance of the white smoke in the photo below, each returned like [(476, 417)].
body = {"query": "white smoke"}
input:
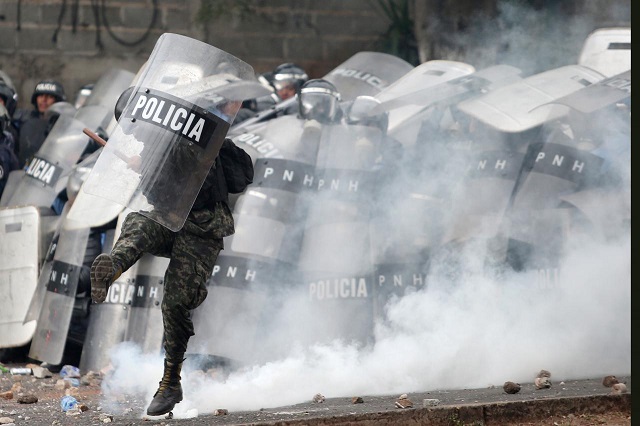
[(471, 325)]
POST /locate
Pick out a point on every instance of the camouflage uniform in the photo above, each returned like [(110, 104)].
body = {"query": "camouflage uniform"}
[(193, 251)]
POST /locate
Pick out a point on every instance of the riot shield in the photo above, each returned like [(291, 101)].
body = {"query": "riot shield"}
[(14, 179), (259, 260), (412, 100), (46, 174), (174, 122), (607, 50), (145, 318), (507, 122), (583, 160), (366, 74), (97, 111), (19, 267), (436, 146), (108, 321), (50, 337), (405, 96), (91, 210), (335, 258)]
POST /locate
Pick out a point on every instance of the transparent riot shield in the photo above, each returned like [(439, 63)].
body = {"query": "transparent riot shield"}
[(505, 123), (583, 160), (258, 263), (46, 174), (411, 101), (507, 129), (97, 111), (607, 50), (108, 321), (367, 73), (405, 97), (335, 258), (19, 267), (50, 337), (171, 129), (145, 327)]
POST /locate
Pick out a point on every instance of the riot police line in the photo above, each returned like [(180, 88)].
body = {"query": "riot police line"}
[(381, 174)]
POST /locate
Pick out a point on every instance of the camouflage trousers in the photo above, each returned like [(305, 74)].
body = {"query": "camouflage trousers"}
[(192, 251)]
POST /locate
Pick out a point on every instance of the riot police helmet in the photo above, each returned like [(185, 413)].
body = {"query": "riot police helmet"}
[(8, 96), (122, 102), (361, 111), (287, 79), (319, 100), (48, 87)]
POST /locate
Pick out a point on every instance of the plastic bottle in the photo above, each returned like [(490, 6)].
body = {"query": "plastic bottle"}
[(68, 403), (69, 371)]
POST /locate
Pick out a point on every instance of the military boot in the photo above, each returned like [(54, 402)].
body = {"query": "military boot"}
[(170, 391), (103, 273)]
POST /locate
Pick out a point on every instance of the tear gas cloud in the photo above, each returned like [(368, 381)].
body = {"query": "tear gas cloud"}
[(472, 324)]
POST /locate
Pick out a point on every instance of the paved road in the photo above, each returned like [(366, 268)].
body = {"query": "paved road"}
[(489, 406)]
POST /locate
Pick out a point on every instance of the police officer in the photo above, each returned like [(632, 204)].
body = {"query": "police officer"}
[(8, 158), (33, 126), (286, 80), (319, 100), (193, 251)]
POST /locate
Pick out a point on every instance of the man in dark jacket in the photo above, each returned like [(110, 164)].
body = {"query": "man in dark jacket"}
[(33, 126), (193, 251)]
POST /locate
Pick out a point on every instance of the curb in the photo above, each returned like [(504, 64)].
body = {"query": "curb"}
[(478, 414)]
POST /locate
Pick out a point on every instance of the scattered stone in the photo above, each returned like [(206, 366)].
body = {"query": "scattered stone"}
[(511, 387), (106, 418), (318, 398), (17, 387), (221, 412), (5, 420), (28, 398), (404, 402), (357, 400), (430, 402), (542, 383), (83, 407), (41, 372), (74, 392), (403, 396), (73, 412), (609, 381), (543, 373), (62, 384), (6, 395), (92, 378), (619, 389)]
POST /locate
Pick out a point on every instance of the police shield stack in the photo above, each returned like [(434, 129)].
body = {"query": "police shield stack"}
[(259, 260), (583, 160), (435, 141), (56, 296), (46, 176), (507, 136), (335, 260)]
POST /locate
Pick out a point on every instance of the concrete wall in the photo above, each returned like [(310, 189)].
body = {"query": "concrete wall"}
[(43, 39)]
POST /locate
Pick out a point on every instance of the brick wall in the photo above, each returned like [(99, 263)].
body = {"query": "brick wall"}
[(61, 39)]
